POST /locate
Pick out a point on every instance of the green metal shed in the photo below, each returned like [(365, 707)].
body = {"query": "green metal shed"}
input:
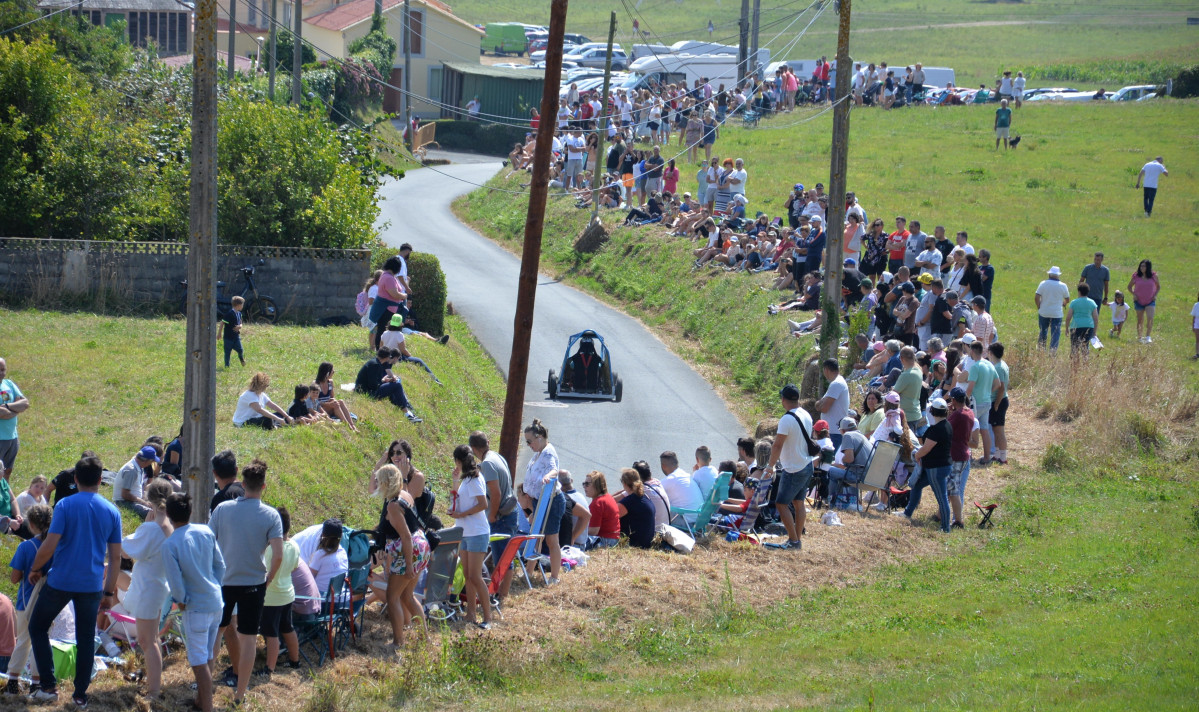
[(502, 91)]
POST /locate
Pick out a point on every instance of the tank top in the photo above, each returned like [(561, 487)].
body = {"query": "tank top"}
[(385, 532)]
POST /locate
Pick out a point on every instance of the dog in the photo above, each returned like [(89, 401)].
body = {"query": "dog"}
[(1013, 142)]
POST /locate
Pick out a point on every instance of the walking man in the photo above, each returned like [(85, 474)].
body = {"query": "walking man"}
[(1051, 298), (1096, 276), (790, 452), (1149, 175), (1003, 123)]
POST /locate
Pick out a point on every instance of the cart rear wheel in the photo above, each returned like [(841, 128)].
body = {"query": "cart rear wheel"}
[(552, 384), (619, 389)]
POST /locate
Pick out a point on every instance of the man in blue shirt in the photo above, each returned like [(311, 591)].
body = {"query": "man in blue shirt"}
[(86, 527)]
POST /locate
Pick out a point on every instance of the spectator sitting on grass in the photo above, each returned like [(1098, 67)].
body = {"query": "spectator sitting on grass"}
[(252, 406), (637, 512), (376, 380), (127, 487), (299, 411), (333, 407)]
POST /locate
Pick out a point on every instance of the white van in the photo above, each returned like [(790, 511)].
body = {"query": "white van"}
[(933, 76), (675, 68)]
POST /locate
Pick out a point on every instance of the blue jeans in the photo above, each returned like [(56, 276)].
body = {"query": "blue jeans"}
[(232, 345), (938, 479), (1053, 325), (836, 483), (49, 604), (502, 525), (393, 391), (418, 362)]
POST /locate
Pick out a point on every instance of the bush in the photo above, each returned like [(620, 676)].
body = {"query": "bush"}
[(1186, 84), (489, 139), (428, 289)]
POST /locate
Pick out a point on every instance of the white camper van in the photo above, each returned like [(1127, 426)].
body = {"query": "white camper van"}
[(675, 68)]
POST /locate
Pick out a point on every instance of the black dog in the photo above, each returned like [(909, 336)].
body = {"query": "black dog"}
[(1013, 142)]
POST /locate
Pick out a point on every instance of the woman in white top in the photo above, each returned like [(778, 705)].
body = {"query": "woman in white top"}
[(252, 406), (541, 480), (35, 494), (469, 510), (148, 590), (327, 559)]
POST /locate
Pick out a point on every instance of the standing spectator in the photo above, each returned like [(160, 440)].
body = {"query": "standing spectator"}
[(231, 322), (653, 175), (12, 403), (908, 387), (1119, 313), (1018, 88), (391, 296), (1149, 174), (834, 406), (1144, 286), (792, 450), (998, 417), (963, 423), (983, 326), (1003, 123), (469, 510), (224, 471), (541, 480), (680, 488), (986, 273), (929, 260), (243, 529), (737, 178), (934, 457), (472, 109), (252, 406), (401, 534), (711, 131), (148, 583), (194, 568), (501, 503), (1096, 276), (985, 387), (127, 487), (1051, 298), (277, 605), (1195, 327), (1082, 316), (670, 178), (85, 530), (39, 517), (897, 243)]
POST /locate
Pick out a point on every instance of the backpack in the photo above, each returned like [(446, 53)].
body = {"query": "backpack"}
[(359, 545), (360, 303)]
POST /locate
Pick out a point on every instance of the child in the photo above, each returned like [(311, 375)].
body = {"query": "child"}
[(276, 610), (1195, 327), (1119, 314), (39, 517), (231, 330), (313, 401), (195, 569), (299, 410), (35, 494)]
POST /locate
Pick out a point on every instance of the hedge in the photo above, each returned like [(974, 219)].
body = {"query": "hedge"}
[(477, 137), (428, 292)]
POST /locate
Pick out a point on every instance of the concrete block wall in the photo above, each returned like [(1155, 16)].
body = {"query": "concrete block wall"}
[(307, 284)]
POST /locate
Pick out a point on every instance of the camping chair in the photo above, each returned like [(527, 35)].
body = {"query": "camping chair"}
[(439, 578), (313, 632), (339, 602), (358, 545), (986, 511), (703, 515), (749, 117)]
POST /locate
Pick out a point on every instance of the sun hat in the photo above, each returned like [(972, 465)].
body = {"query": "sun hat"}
[(1055, 271)]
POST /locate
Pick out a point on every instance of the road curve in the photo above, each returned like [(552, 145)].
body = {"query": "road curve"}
[(666, 404)]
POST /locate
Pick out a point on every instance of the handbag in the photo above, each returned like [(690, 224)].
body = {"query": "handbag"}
[(813, 448)]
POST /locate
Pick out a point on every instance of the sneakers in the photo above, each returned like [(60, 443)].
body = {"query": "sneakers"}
[(1149, 339), (445, 339), (880, 507), (796, 545), (413, 417), (80, 702), (40, 696), (551, 581), (263, 673), (484, 625), (957, 525), (13, 687)]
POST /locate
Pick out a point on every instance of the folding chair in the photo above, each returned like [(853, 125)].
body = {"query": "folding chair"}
[(439, 578), (312, 631), (703, 515), (986, 511)]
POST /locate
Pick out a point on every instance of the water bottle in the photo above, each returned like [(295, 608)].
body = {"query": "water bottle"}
[(109, 645)]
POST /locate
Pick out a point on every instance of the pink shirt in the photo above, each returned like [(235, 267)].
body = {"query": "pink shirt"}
[(389, 289), (1144, 289)]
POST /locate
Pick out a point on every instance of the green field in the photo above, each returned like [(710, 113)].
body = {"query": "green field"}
[(975, 38)]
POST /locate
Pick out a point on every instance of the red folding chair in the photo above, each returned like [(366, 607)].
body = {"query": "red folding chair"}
[(986, 511), (504, 567)]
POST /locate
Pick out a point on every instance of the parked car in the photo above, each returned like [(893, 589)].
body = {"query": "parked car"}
[(1070, 96), (1030, 93), (598, 57), (576, 39), (1135, 93), (539, 55)]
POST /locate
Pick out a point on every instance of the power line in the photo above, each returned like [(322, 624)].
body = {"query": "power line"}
[(43, 17)]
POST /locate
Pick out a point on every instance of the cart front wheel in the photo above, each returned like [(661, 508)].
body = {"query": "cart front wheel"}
[(552, 384), (618, 391)]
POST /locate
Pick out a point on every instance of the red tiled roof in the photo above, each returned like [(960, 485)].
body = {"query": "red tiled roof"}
[(351, 13)]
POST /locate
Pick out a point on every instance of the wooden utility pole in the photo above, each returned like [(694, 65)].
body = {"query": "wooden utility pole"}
[(407, 77), (232, 37), (602, 127), (199, 385), (830, 331), (743, 44), (297, 54), (751, 67), (271, 63), (526, 290)]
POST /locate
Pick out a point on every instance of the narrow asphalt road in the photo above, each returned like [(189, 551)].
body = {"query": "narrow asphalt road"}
[(666, 404)]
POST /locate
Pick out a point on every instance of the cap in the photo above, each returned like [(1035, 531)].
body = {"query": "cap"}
[(879, 346), (850, 262), (848, 424), (969, 339), (149, 453), (887, 277), (760, 214), (798, 186), (925, 278), (740, 198), (817, 219), (1055, 270), (331, 528), (979, 301), (908, 287), (958, 394), (867, 283), (938, 404), (951, 295), (397, 320), (789, 392), (820, 425), (892, 397)]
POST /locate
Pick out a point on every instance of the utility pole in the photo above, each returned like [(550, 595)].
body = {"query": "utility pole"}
[(199, 384), (297, 54), (232, 37), (526, 290), (407, 77), (271, 63), (751, 67), (743, 44), (830, 331), (603, 127)]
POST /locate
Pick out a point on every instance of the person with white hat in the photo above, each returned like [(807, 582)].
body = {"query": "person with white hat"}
[(1051, 298), (935, 462)]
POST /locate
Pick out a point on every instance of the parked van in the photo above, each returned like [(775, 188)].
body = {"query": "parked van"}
[(685, 68), (933, 76), (504, 38)]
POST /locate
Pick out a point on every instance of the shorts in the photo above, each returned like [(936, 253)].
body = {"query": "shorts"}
[(1002, 131), (420, 554), (653, 184), (200, 629), (984, 424), (1135, 304), (653, 125), (959, 472), (8, 451), (276, 621), (477, 544), (998, 416), (793, 485), (248, 600), (557, 508), (710, 195)]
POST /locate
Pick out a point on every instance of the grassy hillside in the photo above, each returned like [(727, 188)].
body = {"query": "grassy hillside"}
[(975, 38), (1066, 192)]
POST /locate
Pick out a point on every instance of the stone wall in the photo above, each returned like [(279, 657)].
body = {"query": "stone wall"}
[(307, 284)]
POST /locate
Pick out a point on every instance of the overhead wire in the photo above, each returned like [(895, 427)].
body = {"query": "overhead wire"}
[(47, 16)]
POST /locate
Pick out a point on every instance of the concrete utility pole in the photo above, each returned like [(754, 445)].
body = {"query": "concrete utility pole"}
[(602, 126), (743, 44), (751, 67), (830, 331), (297, 54), (232, 37), (271, 63), (407, 76), (526, 291), (199, 385)]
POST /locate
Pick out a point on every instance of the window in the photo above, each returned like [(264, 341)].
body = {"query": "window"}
[(253, 18), (416, 27), (287, 14), (435, 74)]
